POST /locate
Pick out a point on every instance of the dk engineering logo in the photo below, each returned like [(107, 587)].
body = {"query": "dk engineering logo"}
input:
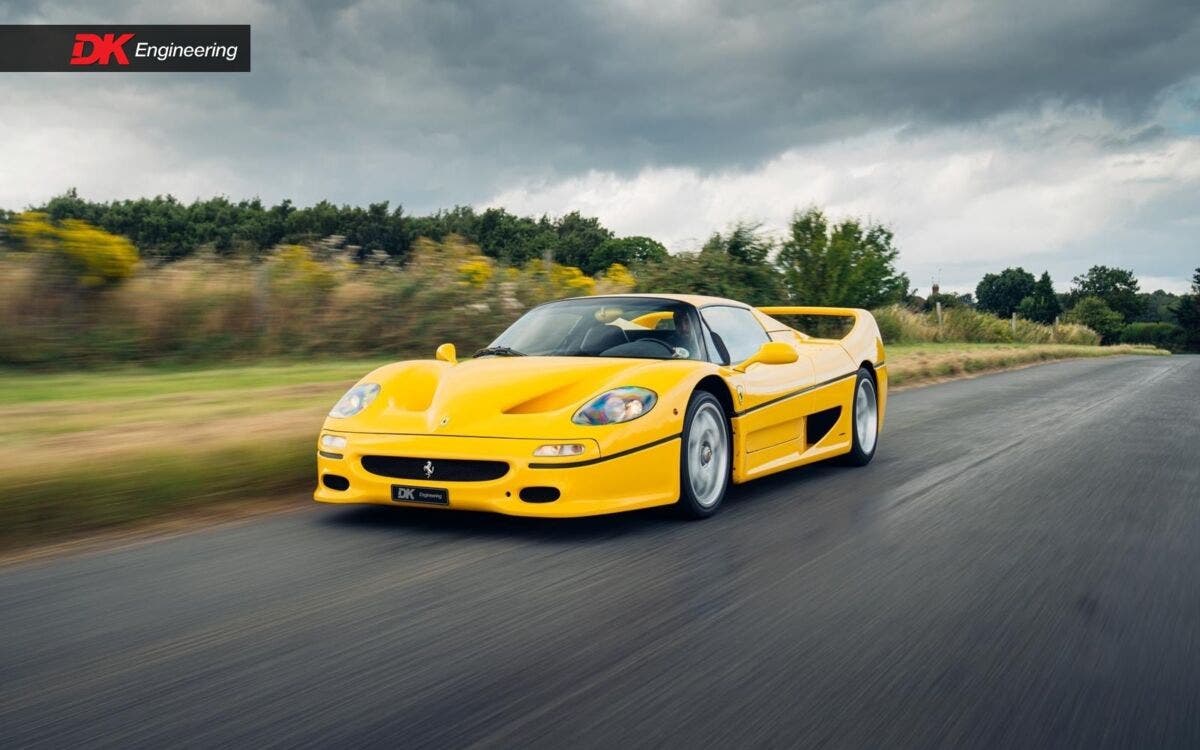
[(132, 48), (103, 49)]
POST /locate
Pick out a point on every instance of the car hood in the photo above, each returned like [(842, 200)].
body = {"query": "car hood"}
[(510, 396)]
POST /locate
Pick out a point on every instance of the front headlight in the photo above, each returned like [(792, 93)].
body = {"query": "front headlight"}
[(617, 405), (356, 399)]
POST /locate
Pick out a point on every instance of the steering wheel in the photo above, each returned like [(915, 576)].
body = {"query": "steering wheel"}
[(661, 343)]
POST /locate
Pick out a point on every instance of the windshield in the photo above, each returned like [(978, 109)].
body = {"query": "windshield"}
[(604, 327)]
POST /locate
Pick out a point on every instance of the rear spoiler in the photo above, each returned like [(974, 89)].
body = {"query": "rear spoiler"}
[(861, 342), (860, 316)]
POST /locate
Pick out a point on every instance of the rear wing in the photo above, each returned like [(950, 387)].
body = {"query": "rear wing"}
[(862, 340), (859, 316)]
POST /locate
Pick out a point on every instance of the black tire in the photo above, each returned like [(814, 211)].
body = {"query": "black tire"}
[(860, 455), (705, 457)]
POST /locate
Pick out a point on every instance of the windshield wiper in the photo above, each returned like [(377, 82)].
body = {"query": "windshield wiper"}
[(498, 351)]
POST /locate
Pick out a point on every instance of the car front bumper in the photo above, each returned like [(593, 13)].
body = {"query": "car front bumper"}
[(589, 484)]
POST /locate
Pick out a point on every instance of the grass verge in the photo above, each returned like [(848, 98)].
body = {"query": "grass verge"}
[(103, 449), (913, 364)]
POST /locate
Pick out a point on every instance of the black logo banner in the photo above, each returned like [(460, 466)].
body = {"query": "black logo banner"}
[(124, 48)]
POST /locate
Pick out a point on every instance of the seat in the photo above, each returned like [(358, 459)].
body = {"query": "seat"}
[(602, 337)]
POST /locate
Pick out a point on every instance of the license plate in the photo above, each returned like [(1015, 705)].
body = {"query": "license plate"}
[(433, 495)]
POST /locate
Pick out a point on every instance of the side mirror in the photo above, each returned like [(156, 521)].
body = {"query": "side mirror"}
[(446, 353), (770, 353)]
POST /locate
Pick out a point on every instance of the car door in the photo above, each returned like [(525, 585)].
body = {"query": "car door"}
[(770, 401)]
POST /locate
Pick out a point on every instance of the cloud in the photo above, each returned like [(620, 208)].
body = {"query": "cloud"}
[(1043, 191), (968, 111)]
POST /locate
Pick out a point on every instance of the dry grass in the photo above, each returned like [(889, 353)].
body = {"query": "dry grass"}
[(899, 325), (918, 363)]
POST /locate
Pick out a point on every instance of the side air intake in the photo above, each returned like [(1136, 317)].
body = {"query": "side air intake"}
[(818, 425)]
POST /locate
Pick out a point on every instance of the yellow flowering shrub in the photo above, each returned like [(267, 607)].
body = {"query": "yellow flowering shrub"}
[(92, 256), (476, 271), (617, 279), (296, 265), (572, 280)]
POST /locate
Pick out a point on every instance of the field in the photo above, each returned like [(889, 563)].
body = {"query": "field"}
[(112, 447)]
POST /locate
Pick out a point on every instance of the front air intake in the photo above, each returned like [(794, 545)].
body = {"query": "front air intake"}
[(334, 482), (539, 494)]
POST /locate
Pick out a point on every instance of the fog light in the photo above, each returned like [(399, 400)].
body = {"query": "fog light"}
[(336, 442), (562, 449)]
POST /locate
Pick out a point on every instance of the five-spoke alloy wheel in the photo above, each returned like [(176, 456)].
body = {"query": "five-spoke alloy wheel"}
[(704, 461), (865, 420)]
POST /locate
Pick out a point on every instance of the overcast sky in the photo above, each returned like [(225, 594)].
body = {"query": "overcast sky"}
[(1052, 135)]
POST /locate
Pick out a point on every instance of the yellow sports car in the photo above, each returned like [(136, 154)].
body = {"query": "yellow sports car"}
[(602, 404)]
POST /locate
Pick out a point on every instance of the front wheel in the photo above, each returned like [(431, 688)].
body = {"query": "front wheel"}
[(865, 420), (704, 457)]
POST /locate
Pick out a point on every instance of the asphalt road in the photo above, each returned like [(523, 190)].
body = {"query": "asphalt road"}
[(1018, 567)]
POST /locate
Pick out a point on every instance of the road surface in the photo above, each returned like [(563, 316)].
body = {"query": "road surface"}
[(1020, 566)]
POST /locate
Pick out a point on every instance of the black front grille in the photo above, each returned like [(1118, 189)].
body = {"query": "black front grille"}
[(434, 469)]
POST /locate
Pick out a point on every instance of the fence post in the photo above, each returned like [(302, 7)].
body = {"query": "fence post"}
[(938, 305), (1014, 324)]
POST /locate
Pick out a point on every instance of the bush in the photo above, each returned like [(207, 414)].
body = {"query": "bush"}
[(1095, 313), (1161, 335), (965, 324), (302, 300), (297, 300), (1073, 333), (75, 250), (899, 325)]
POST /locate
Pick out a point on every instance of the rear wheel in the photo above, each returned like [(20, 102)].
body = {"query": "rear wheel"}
[(704, 457), (865, 420)]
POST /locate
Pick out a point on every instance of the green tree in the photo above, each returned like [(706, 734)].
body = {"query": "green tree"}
[(515, 240), (949, 300), (848, 264), (629, 251), (579, 237), (1118, 287), (1157, 307), (735, 265), (1095, 313), (1042, 303), (1187, 312), (164, 229), (1001, 294)]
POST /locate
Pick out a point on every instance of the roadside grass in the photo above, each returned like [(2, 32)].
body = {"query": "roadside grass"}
[(105, 448), (912, 364), (23, 386)]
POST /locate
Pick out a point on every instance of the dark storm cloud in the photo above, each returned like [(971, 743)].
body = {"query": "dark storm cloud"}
[(615, 86), (752, 74)]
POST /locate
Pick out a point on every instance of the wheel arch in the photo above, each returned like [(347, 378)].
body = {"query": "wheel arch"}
[(881, 389), (867, 365), (717, 387)]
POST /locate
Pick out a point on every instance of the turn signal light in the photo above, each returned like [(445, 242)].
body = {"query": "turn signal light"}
[(560, 449), (335, 442)]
